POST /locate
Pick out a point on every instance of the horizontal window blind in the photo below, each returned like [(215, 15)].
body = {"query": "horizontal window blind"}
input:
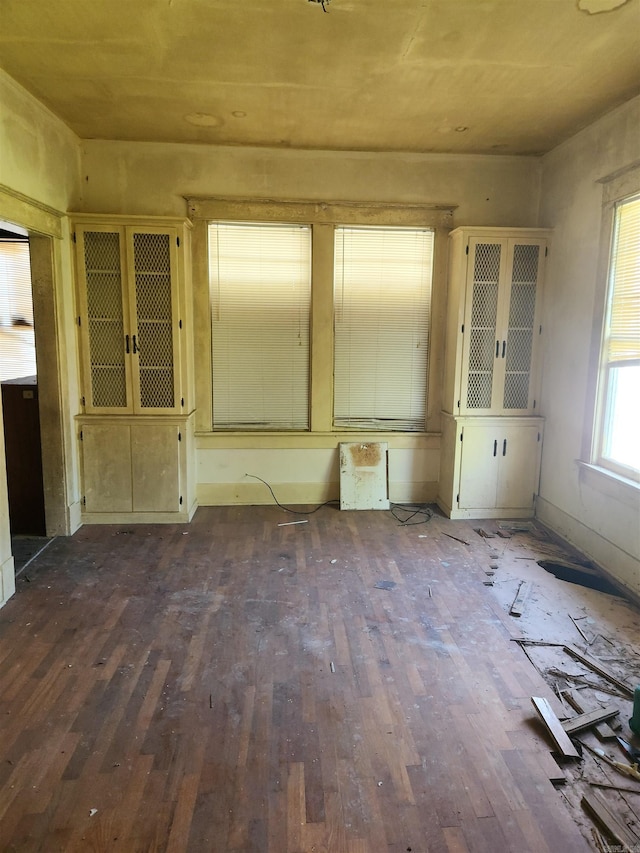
[(623, 340), (260, 296), (17, 340), (382, 300)]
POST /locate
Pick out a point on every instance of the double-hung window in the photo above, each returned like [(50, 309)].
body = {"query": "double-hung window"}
[(260, 296), (619, 421), (382, 298)]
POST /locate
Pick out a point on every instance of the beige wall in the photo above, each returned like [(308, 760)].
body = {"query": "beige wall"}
[(39, 181), (141, 178), (146, 178), (599, 515)]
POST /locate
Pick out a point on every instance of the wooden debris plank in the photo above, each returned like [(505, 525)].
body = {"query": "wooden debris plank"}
[(586, 721), (517, 608), (598, 667), (602, 730), (554, 727), (596, 805)]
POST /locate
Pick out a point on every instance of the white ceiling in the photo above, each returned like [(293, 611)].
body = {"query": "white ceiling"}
[(468, 76)]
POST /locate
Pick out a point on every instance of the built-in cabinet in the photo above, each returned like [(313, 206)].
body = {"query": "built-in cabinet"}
[(134, 315), (491, 434)]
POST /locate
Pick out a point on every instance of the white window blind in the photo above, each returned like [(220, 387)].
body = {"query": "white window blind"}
[(17, 341), (260, 296), (620, 448), (382, 303)]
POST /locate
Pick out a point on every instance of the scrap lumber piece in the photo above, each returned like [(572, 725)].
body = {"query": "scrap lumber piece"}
[(517, 608), (602, 730), (596, 805), (585, 721), (554, 727), (600, 668)]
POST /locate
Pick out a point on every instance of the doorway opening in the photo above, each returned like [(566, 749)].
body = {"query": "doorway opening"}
[(19, 385)]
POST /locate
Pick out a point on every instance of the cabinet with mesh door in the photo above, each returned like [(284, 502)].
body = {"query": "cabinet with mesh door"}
[(491, 429), (134, 318), (494, 326), (129, 318)]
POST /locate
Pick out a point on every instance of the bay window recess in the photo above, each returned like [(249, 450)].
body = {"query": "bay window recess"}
[(260, 295), (619, 447), (382, 299)]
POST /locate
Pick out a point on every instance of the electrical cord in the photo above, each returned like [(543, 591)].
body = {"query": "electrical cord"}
[(286, 508), (413, 509)]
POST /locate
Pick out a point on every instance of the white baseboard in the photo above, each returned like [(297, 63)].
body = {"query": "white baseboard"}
[(619, 565)]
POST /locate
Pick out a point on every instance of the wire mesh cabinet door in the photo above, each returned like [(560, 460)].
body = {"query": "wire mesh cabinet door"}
[(129, 319), (522, 327), (104, 319), (501, 326), (154, 300)]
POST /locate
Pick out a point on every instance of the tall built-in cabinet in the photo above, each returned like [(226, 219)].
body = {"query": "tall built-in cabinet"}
[(491, 431), (134, 316)]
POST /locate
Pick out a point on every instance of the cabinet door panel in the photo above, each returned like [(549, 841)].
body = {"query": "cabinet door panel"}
[(156, 467), (479, 467), (106, 453), (518, 451), (520, 322), (154, 306), (104, 320), (481, 325)]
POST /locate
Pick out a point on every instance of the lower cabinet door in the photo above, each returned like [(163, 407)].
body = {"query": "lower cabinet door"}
[(519, 455), (478, 467), (106, 456), (499, 466), (156, 467)]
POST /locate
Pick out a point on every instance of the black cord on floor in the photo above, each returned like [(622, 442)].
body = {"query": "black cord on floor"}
[(421, 511), (286, 508)]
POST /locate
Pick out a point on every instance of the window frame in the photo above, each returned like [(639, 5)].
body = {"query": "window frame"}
[(608, 368), (322, 217), (620, 185)]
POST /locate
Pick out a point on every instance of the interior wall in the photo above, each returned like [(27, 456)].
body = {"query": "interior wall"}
[(150, 178), (39, 182), (597, 513), (153, 178)]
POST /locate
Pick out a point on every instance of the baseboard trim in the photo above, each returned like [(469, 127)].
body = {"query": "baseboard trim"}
[(7, 581), (599, 550)]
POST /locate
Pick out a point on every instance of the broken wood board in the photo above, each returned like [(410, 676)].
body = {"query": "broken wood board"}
[(519, 602), (602, 730), (600, 668), (554, 727), (596, 805), (591, 718)]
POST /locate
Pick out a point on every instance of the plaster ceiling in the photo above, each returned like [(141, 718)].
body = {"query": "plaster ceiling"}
[(467, 76)]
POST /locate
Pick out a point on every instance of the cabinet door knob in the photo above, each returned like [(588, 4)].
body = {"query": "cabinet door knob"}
[(504, 348), (504, 447), (497, 348), (136, 348), (126, 344), (495, 447)]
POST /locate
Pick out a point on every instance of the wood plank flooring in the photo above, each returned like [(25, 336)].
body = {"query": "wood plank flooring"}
[(232, 685)]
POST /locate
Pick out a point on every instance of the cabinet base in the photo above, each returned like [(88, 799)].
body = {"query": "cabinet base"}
[(182, 517), (485, 512)]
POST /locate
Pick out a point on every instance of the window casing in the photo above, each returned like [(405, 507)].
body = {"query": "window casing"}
[(382, 298), (260, 292), (618, 447), (322, 219)]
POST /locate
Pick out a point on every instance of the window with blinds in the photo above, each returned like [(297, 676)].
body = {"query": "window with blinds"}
[(260, 297), (17, 340), (382, 299), (620, 426)]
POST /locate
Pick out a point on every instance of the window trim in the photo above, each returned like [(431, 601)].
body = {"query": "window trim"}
[(322, 216), (619, 186)]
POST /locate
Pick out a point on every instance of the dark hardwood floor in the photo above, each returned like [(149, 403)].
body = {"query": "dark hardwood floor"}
[(235, 685)]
